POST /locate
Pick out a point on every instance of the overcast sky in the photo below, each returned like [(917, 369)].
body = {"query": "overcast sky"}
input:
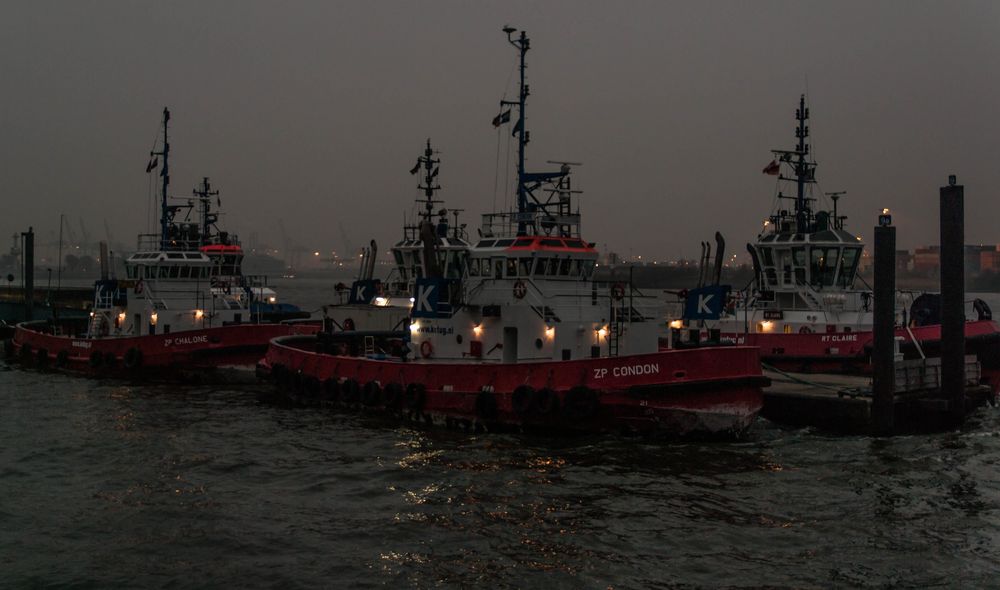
[(312, 113)]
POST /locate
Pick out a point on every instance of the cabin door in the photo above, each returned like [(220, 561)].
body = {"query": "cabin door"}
[(509, 345)]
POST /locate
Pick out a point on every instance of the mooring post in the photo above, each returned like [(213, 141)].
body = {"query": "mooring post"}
[(953, 297), (883, 344), (29, 272)]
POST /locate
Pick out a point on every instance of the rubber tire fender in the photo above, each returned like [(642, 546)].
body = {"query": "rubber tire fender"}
[(416, 396), (96, 359), (331, 389), (487, 409), (132, 358), (546, 402), (522, 399), (371, 394), (581, 402), (350, 391), (392, 395)]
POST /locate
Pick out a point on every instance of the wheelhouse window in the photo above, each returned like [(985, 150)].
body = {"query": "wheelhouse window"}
[(540, 265), (512, 267), (525, 267), (823, 267), (848, 267)]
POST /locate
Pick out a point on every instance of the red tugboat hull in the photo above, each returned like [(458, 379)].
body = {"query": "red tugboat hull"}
[(848, 352), (677, 393), (238, 345)]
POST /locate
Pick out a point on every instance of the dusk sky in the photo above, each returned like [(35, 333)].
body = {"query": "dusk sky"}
[(312, 113)]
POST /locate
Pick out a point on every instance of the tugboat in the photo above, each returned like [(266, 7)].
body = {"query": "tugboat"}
[(804, 308), (384, 305), (166, 319), (226, 253), (514, 333)]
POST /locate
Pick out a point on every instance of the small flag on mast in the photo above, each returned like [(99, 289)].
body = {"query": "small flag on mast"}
[(517, 127), (152, 164), (502, 118), (415, 168), (773, 168)]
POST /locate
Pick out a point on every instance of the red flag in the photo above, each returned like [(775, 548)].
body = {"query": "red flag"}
[(773, 168)]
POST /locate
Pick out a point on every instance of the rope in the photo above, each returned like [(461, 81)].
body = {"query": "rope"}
[(841, 391)]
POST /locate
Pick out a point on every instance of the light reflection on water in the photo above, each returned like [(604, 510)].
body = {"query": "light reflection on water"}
[(111, 484)]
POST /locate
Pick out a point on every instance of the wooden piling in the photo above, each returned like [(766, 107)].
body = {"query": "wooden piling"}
[(28, 259), (953, 298), (883, 338)]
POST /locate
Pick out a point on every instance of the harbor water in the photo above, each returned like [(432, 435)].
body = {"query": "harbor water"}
[(113, 484)]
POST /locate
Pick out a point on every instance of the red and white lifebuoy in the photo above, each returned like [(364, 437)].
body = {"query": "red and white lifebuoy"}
[(426, 349), (138, 287), (520, 289), (618, 291)]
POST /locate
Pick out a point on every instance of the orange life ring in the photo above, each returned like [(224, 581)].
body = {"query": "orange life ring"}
[(426, 349), (520, 289), (618, 291), (138, 287), (805, 330)]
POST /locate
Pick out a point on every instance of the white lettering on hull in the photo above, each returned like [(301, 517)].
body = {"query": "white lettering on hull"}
[(185, 341), (628, 370), (840, 338), (81, 344)]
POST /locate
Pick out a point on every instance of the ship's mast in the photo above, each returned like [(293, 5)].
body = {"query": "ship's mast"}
[(165, 174), (431, 170), (522, 44), (802, 167), (205, 194)]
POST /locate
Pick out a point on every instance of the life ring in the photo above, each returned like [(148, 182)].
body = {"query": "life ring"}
[(416, 396), (486, 406), (546, 402), (805, 330), (137, 289), (426, 349), (618, 291), (132, 358), (348, 325), (520, 289), (522, 399)]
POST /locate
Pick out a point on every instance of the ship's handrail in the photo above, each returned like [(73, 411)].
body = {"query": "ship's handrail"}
[(509, 224), (647, 307)]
